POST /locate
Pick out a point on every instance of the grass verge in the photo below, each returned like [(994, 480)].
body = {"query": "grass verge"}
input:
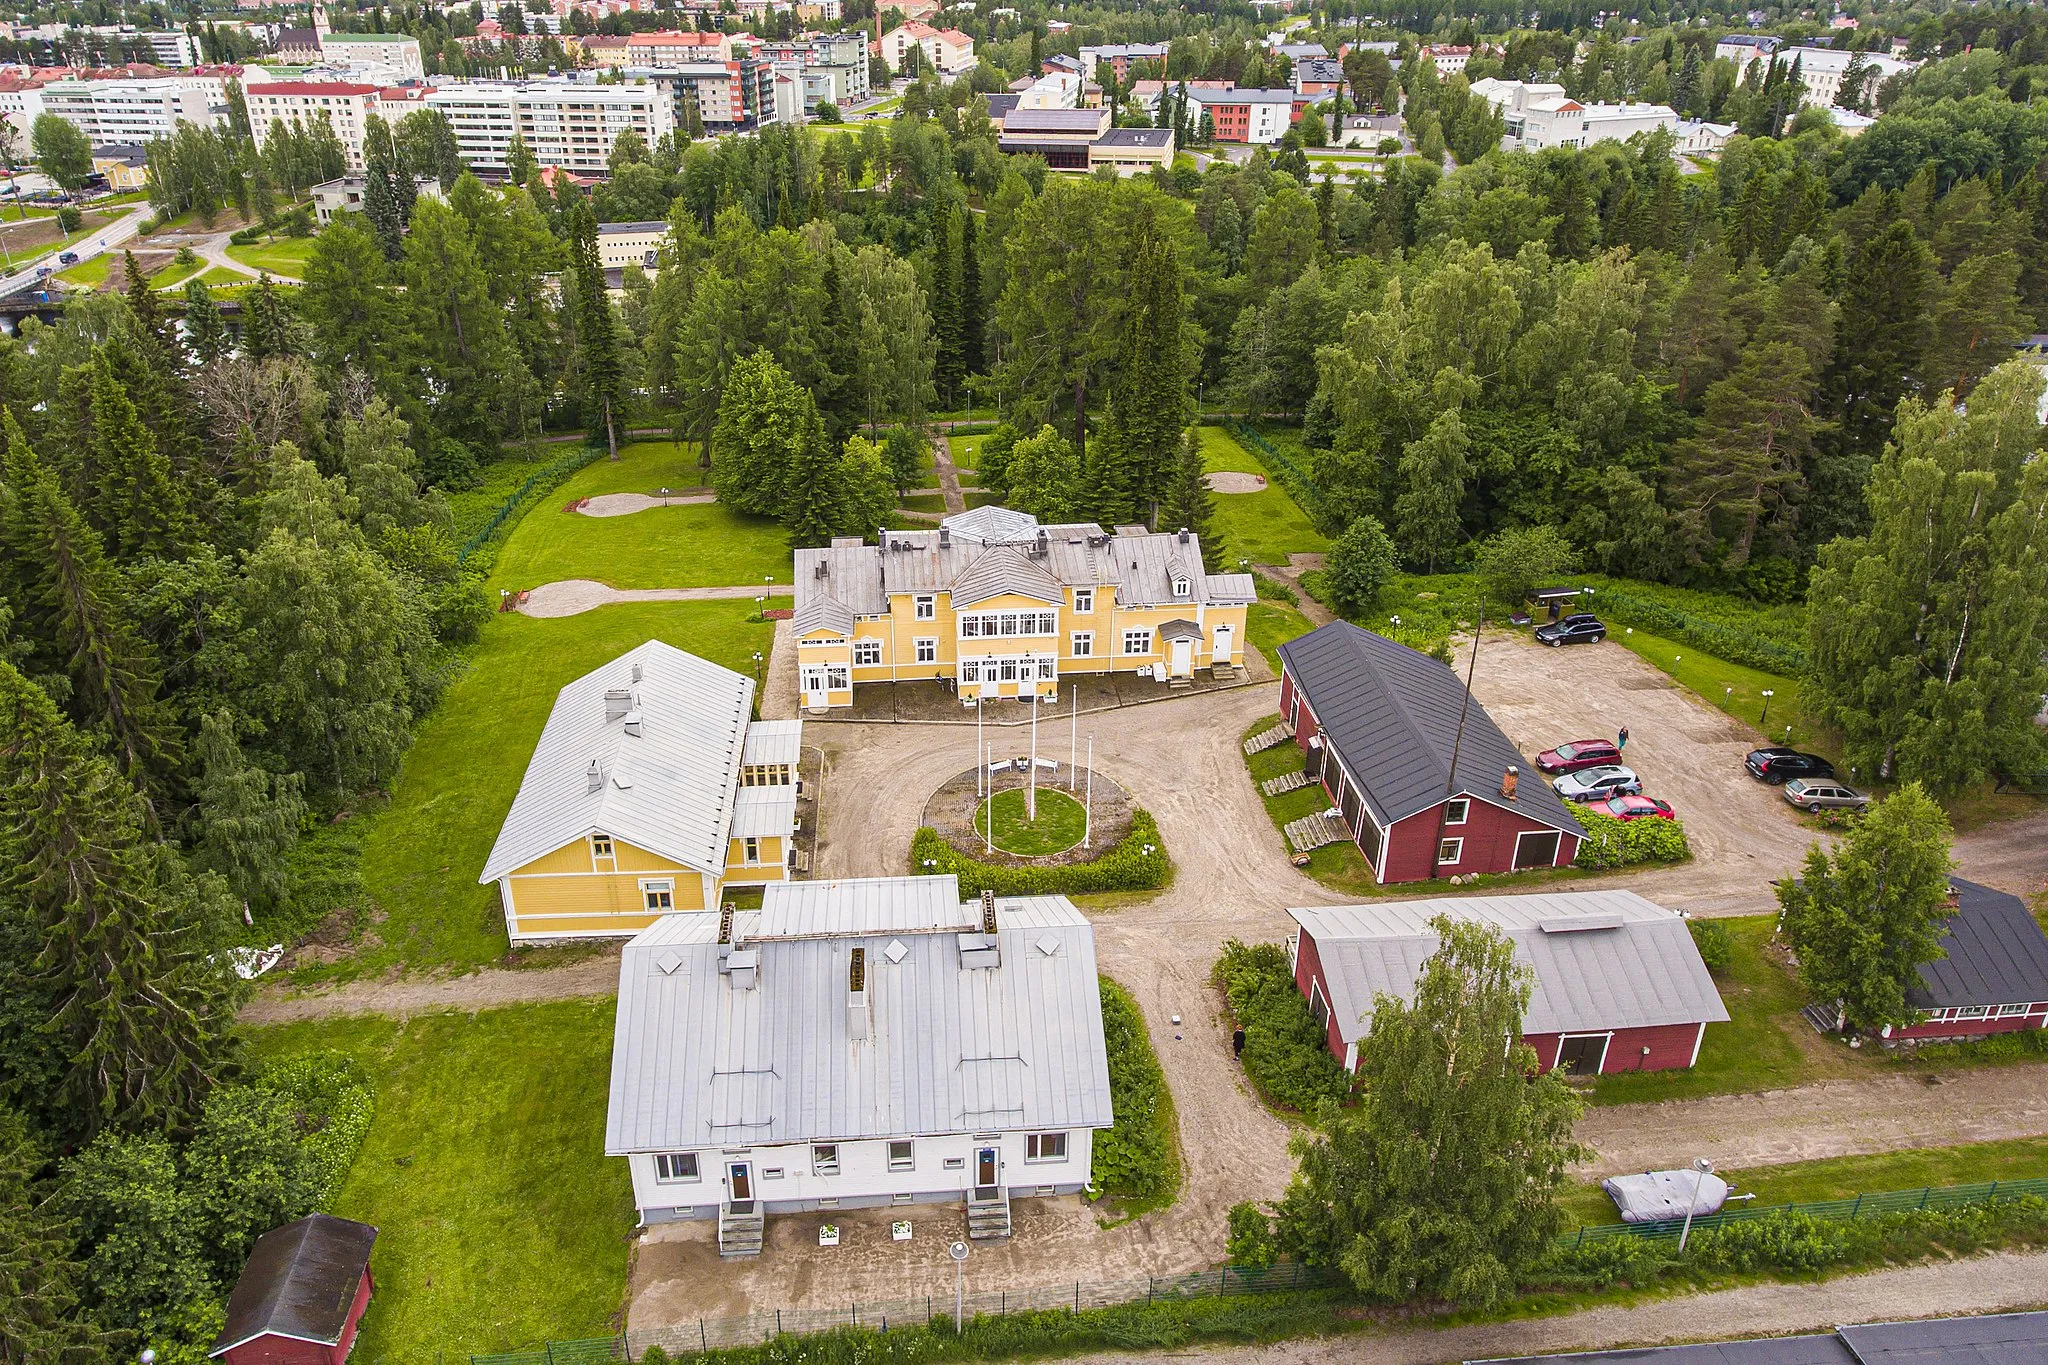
[(422, 853), (284, 256), (500, 1221), (1271, 625), (684, 545)]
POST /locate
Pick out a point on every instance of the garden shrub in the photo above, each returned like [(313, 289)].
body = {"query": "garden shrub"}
[(1136, 1157), (1601, 1263), (1716, 944), (1613, 843), (1769, 638), (1782, 1240), (1284, 1052), (333, 1105), (1273, 590), (1124, 866), (1252, 1242)]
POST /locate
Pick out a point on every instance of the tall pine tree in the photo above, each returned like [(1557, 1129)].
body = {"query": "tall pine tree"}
[(596, 338)]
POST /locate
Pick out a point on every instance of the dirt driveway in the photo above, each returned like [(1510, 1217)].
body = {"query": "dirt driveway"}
[(1743, 834)]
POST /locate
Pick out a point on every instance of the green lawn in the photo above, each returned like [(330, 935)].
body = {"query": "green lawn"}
[(219, 275), (1806, 1182), (286, 256), (1061, 822), (1262, 527), (500, 1221), (966, 454), (1764, 1046), (173, 276), (92, 273), (692, 545), (1271, 625), (1339, 866), (925, 502), (423, 852)]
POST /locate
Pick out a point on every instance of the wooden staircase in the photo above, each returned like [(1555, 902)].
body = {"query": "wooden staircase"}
[(988, 1213), (741, 1228), (1266, 739)]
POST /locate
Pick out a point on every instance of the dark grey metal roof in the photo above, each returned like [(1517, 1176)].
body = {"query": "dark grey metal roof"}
[(1054, 121), (1992, 1339), (1135, 137), (1808, 1350), (1997, 954), (1392, 716), (299, 1282), (1001, 105)]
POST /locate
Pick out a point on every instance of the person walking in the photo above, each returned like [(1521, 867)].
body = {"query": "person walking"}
[(1621, 740), (1237, 1044)]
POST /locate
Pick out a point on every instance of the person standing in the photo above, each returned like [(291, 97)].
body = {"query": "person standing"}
[(1237, 1043), (1621, 740)]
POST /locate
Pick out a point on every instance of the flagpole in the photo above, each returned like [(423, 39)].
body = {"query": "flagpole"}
[(1031, 778), (1073, 739), (1088, 802)]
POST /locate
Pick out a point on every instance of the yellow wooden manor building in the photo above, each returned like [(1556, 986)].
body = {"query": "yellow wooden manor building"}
[(651, 791), (1002, 606)]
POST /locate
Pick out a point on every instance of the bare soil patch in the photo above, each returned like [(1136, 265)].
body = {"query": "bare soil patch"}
[(1232, 481), (625, 504)]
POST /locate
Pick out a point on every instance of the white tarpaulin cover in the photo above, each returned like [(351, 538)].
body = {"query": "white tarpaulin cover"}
[(1656, 1196)]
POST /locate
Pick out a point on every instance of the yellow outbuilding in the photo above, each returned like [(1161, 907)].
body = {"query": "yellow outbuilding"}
[(650, 791)]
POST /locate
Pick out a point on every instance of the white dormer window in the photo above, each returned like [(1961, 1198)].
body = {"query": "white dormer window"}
[(1182, 587), (1084, 599)]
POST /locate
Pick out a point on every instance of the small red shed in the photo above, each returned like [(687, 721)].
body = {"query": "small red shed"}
[(1619, 983), (301, 1295), (1378, 723)]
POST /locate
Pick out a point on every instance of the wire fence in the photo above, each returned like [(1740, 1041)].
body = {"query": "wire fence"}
[(1832, 1210), (1283, 466), (705, 1334), (547, 476)]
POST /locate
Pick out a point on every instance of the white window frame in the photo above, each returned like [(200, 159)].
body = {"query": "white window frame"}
[(1084, 644), (867, 652), (667, 1164), (1973, 1011), (925, 607), (824, 1158), (2010, 1011), (1143, 635), (1182, 587), (1045, 1146), (1463, 808), (601, 846), (1084, 599), (750, 849), (927, 649), (664, 887), (1457, 848), (907, 1161)]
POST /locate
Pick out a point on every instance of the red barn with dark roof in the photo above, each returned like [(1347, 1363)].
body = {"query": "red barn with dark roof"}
[(1995, 977), (301, 1295), (1377, 723)]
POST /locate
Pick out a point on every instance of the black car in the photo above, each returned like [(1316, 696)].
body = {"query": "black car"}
[(1582, 629), (1778, 766)]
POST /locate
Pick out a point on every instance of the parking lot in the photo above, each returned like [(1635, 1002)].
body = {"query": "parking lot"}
[(1743, 834)]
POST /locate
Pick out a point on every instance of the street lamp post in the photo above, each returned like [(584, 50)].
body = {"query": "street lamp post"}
[(1768, 694), (1701, 1166), (958, 1251)]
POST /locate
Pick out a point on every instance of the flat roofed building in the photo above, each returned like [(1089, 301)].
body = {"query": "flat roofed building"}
[(649, 791), (345, 195), (1061, 136), (1132, 150), (672, 48), (393, 56), (1619, 984), (858, 1044), (345, 106), (997, 605), (126, 111), (623, 244), (564, 123)]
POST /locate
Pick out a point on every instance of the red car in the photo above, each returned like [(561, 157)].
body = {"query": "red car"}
[(1634, 808), (1580, 753)]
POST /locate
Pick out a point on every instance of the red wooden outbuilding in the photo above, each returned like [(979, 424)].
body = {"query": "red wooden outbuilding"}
[(301, 1295)]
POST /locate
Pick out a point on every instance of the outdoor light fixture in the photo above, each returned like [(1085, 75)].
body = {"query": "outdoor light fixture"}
[(1768, 694)]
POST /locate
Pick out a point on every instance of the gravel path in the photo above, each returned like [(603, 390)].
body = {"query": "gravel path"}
[(2011, 855), (1231, 481), (949, 474), (405, 995), (625, 504), (2004, 1282), (573, 596)]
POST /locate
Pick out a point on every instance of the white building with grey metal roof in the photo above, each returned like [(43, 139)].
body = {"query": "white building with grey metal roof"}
[(858, 1044)]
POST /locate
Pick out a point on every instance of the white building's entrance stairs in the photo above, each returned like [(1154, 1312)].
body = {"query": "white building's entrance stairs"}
[(740, 1229), (988, 1213), (1266, 739)]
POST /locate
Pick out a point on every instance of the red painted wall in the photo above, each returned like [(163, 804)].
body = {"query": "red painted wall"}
[(1670, 1048), (1489, 833), (1973, 1028), (276, 1350), (1308, 967)]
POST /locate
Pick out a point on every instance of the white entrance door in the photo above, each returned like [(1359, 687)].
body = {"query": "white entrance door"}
[(1219, 649), (1183, 657), (814, 688)]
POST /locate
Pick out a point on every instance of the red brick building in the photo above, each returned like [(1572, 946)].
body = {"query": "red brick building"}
[(1619, 984), (1377, 723), (301, 1296)]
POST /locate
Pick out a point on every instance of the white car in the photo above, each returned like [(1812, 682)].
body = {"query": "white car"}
[(1590, 784)]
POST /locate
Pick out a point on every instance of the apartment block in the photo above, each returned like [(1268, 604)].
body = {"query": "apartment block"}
[(568, 124), (126, 111)]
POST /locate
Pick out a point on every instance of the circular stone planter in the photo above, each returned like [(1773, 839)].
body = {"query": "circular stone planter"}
[(953, 810)]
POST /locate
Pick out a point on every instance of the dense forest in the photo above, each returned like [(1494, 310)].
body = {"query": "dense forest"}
[(229, 584)]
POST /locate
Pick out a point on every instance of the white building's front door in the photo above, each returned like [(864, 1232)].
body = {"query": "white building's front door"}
[(814, 679), (1219, 650), (1183, 657)]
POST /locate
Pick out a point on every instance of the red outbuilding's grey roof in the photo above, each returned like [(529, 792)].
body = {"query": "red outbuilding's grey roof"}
[(300, 1282)]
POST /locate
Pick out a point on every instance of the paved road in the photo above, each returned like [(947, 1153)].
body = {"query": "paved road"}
[(113, 237)]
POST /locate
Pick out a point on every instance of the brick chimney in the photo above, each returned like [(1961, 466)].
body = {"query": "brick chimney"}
[(1508, 780)]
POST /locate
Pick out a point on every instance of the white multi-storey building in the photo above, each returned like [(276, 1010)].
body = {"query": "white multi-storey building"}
[(950, 52), (1539, 115), (126, 111), (564, 123), (390, 57), (1821, 69), (343, 105)]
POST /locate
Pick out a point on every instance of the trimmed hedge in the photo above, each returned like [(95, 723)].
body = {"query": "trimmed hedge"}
[(334, 1104), (1767, 638), (1124, 866), (1625, 843), (1284, 1052), (1137, 1157)]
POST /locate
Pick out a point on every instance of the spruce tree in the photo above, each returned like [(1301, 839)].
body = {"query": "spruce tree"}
[(596, 338), (1885, 329), (381, 174), (248, 818), (142, 299), (141, 507), (40, 1284), (1149, 403), (973, 309), (945, 300), (142, 1011), (1188, 505), (206, 332), (817, 506), (264, 335)]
